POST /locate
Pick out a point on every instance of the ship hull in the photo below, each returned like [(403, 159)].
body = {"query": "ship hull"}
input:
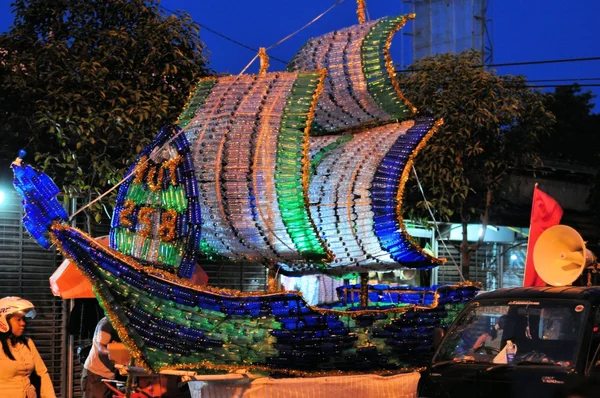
[(167, 323)]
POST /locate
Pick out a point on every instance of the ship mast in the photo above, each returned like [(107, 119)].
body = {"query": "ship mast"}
[(360, 11)]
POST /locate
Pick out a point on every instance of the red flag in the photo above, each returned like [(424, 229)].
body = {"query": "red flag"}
[(545, 213)]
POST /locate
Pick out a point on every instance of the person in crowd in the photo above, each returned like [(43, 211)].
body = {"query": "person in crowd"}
[(492, 338), (19, 357), (98, 365)]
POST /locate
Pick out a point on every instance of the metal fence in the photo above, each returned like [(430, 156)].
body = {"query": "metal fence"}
[(24, 271)]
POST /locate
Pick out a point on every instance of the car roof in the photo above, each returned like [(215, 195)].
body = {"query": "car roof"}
[(588, 293)]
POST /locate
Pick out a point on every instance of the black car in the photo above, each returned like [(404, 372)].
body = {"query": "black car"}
[(556, 336)]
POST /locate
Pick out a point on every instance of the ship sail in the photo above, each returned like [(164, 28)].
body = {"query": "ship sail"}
[(157, 216), (239, 165), (249, 142), (361, 86), (356, 196), (244, 155)]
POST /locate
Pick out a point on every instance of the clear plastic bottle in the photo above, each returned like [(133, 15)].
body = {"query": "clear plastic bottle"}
[(511, 350)]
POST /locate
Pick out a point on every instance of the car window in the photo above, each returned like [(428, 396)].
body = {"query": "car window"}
[(556, 323), (541, 331)]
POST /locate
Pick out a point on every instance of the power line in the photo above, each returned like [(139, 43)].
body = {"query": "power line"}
[(255, 50), (238, 43), (549, 61), (544, 62), (575, 79), (561, 85)]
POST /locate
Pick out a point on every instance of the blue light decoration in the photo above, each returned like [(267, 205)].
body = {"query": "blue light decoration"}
[(38, 192)]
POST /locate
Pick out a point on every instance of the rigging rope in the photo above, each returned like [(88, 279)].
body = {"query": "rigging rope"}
[(307, 25), (462, 278), (233, 82)]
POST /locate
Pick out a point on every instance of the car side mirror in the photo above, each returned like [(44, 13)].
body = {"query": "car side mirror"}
[(438, 335)]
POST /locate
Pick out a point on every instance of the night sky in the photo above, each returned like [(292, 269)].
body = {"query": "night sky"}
[(522, 31)]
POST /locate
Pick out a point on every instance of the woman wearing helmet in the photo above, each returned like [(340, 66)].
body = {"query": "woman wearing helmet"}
[(19, 357)]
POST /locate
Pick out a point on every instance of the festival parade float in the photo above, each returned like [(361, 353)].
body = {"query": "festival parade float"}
[(302, 171)]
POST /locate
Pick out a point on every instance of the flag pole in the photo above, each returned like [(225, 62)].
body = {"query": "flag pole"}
[(545, 213), (535, 187)]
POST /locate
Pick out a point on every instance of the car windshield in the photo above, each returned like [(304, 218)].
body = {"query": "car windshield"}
[(543, 332)]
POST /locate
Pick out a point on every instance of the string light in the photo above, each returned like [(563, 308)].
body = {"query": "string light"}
[(234, 180)]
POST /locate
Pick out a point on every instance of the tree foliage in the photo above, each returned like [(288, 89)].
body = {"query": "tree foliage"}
[(492, 126), (577, 129), (86, 84), (576, 126)]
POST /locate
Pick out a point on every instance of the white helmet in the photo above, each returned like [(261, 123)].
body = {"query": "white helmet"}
[(14, 305)]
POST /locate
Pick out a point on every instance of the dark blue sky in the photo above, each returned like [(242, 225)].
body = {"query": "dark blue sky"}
[(522, 30)]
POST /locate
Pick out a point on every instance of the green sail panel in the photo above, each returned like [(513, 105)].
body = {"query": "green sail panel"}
[(320, 149), (249, 139), (378, 67), (292, 161)]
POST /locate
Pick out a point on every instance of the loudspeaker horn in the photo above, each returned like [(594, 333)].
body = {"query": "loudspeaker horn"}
[(560, 255)]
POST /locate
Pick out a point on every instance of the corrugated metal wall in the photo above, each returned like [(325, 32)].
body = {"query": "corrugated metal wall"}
[(24, 271), (245, 277)]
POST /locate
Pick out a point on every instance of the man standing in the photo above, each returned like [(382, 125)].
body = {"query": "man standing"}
[(98, 366)]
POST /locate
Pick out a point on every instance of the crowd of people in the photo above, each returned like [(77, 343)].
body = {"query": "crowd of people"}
[(23, 373)]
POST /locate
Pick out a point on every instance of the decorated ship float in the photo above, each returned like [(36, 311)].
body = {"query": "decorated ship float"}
[(302, 171)]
